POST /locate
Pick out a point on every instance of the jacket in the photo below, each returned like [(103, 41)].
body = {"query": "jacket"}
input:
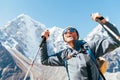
[(81, 66)]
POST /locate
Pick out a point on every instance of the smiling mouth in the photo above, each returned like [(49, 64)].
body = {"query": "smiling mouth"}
[(70, 37)]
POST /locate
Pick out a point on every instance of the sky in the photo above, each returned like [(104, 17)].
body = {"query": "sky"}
[(62, 13)]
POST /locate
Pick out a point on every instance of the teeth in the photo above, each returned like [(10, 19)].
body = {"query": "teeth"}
[(69, 36)]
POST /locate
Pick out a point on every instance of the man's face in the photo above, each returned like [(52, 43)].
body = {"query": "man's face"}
[(70, 35)]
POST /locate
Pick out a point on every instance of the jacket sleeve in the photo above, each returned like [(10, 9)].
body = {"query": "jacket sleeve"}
[(112, 28), (106, 44), (52, 60)]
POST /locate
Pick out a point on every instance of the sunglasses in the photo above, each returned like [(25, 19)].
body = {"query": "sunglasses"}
[(70, 30)]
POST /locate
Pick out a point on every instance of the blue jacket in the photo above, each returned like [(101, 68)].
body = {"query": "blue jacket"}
[(81, 66)]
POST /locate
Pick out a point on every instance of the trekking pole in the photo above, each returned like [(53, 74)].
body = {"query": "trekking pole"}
[(115, 35), (31, 65)]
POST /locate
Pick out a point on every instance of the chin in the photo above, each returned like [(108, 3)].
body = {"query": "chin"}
[(68, 41)]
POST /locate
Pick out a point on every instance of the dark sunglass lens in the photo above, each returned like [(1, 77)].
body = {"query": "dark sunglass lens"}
[(70, 29)]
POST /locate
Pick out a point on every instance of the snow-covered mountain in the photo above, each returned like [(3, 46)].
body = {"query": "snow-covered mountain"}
[(97, 33), (24, 34)]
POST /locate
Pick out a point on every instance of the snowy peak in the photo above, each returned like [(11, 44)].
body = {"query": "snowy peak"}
[(97, 33), (28, 20), (24, 20), (24, 16), (22, 33), (23, 24), (55, 40)]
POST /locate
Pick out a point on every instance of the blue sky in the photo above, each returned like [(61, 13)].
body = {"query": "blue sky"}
[(62, 13)]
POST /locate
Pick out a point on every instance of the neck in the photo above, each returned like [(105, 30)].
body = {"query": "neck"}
[(71, 44)]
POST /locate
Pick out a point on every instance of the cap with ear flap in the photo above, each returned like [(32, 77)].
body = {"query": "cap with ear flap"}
[(68, 28)]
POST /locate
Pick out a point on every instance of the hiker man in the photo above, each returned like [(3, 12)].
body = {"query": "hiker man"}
[(80, 65)]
